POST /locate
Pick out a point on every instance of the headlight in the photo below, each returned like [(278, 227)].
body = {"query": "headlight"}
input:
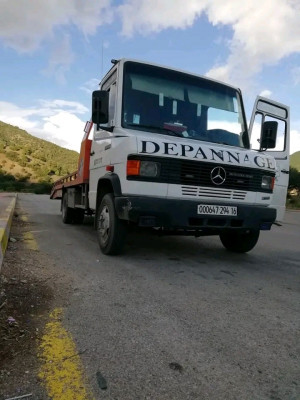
[(149, 168), (267, 182)]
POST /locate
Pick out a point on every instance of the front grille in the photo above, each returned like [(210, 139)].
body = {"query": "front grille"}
[(228, 194), (195, 177)]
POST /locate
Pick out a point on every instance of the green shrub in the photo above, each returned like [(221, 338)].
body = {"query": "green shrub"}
[(293, 202)]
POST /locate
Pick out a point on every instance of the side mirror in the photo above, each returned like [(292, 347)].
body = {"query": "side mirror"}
[(100, 107), (268, 135)]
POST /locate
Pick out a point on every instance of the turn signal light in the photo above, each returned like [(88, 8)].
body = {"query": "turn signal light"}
[(133, 167), (273, 183)]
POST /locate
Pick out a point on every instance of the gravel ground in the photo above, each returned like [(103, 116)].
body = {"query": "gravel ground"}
[(27, 287)]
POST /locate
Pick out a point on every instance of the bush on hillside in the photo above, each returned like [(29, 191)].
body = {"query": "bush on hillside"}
[(294, 181), (10, 183)]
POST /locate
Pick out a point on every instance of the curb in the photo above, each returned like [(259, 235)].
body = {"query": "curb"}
[(5, 227)]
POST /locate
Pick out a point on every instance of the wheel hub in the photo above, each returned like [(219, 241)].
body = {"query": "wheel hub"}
[(104, 224)]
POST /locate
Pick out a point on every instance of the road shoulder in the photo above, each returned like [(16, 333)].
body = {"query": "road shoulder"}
[(31, 287)]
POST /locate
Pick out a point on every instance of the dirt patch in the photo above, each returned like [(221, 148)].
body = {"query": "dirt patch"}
[(23, 297), (28, 292)]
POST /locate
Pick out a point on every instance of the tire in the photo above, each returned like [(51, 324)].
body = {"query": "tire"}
[(239, 242), (111, 231), (78, 216), (67, 212)]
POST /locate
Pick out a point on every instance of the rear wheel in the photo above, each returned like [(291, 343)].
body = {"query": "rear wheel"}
[(111, 231), (239, 242), (78, 216), (67, 212)]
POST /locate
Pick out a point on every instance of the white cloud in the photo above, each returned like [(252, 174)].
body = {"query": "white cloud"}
[(295, 141), (60, 60), (263, 31), (64, 128), (145, 16), (266, 93), (60, 105), (55, 121), (24, 26), (90, 85), (296, 75)]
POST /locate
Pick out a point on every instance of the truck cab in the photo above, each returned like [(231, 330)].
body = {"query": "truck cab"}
[(172, 151)]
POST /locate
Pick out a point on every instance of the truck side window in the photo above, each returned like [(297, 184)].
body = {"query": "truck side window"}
[(110, 85)]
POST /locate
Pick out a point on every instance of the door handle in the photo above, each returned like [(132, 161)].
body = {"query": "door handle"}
[(92, 153), (285, 171)]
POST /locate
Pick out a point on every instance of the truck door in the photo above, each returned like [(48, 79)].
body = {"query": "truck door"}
[(268, 110), (100, 151)]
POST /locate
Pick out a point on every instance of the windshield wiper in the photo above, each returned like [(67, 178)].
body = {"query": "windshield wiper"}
[(157, 128)]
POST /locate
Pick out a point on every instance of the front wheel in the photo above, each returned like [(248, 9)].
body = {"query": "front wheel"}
[(111, 231), (239, 242)]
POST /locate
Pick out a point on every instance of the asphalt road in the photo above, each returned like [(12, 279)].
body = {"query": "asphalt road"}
[(180, 318)]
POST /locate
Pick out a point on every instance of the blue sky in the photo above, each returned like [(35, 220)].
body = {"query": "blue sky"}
[(51, 53)]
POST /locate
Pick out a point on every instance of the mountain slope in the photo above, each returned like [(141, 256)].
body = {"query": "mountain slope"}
[(25, 158), (295, 160)]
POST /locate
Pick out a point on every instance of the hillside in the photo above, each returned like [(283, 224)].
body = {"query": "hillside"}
[(295, 160), (27, 162)]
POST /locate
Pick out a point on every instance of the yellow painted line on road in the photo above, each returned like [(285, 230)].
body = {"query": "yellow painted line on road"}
[(30, 241), (28, 237), (61, 369), (3, 239)]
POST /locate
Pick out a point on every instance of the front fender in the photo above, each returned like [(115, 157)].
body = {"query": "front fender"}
[(110, 180)]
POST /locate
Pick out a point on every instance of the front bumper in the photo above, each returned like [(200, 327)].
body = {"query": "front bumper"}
[(182, 214)]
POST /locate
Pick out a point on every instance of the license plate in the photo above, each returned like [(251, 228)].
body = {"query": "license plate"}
[(208, 209)]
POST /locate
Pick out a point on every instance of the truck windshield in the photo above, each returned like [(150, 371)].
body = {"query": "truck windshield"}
[(163, 101)]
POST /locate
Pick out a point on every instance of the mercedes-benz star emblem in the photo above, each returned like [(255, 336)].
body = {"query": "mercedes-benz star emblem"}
[(218, 175)]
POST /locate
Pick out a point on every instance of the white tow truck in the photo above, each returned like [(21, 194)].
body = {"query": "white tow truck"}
[(170, 150)]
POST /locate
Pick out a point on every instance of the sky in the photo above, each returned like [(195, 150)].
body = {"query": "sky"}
[(53, 54)]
